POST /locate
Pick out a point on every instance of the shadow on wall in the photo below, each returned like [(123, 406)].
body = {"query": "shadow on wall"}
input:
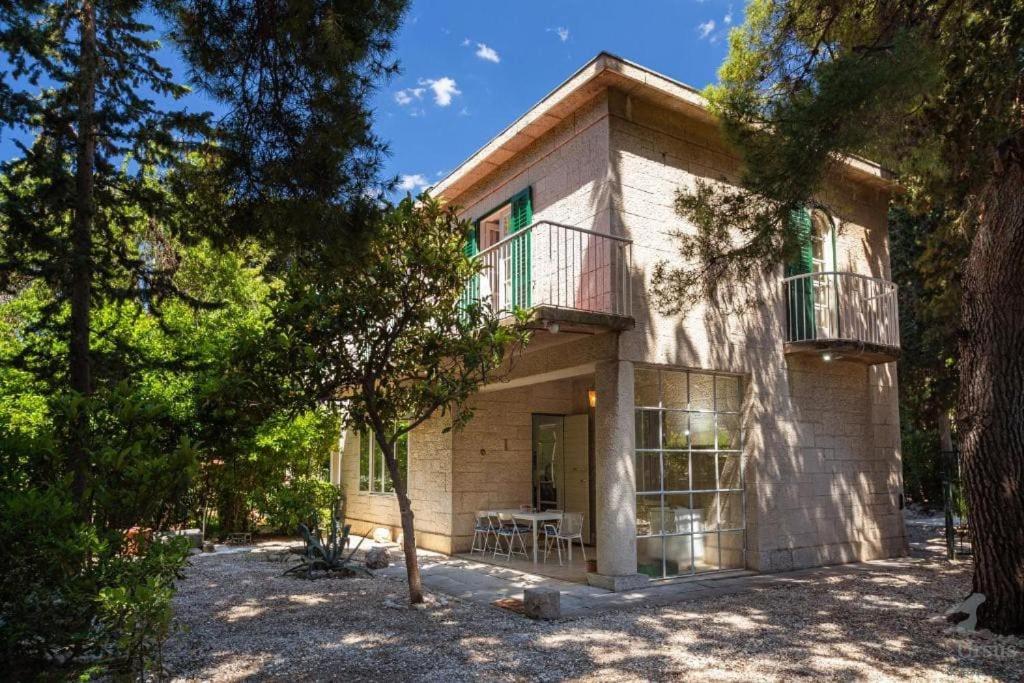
[(821, 482)]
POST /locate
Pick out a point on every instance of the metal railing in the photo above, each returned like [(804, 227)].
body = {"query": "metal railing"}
[(557, 265), (841, 307)]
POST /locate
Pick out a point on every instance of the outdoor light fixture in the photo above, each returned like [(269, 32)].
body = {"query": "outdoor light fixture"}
[(826, 356), (592, 398), (553, 328)]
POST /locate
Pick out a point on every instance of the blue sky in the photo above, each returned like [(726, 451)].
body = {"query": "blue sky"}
[(469, 68)]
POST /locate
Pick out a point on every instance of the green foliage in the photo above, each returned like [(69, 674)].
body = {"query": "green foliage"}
[(391, 337), (295, 147), (330, 556), (807, 84), (296, 501), (71, 601), (925, 253)]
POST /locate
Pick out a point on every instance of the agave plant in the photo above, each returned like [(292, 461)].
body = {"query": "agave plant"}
[(329, 556)]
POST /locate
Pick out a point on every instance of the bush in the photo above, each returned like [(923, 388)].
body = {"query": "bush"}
[(70, 600), (295, 501), (922, 465)]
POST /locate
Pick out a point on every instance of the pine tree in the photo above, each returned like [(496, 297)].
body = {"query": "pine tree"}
[(80, 92)]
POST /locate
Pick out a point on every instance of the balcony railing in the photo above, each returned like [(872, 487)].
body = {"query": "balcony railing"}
[(559, 266), (841, 307)]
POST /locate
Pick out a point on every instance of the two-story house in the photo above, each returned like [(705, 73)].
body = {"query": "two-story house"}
[(765, 438)]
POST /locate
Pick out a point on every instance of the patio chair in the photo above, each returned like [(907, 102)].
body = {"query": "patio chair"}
[(483, 531), (549, 529), (512, 532), (569, 529)]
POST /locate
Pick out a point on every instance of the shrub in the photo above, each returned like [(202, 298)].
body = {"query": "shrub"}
[(295, 501), (72, 601)]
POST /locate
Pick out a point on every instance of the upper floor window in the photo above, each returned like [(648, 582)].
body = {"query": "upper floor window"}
[(823, 243), (373, 469)]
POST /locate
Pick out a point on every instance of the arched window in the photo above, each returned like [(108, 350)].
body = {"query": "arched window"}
[(823, 242)]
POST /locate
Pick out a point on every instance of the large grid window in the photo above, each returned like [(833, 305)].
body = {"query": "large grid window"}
[(689, 473)]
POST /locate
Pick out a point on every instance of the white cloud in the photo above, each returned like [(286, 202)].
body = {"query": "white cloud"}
[(563, 33), (465, 42), (444, 89), (706, 28), (488, 54), (727, 19), (412, 182), (407, 95)]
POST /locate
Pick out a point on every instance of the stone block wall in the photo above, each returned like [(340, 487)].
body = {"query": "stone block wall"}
[(823, 472), (430, 488)]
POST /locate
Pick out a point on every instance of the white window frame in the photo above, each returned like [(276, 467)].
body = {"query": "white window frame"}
[(377, 465)]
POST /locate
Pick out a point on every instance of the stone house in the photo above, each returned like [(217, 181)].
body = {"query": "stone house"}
[(764, 438)]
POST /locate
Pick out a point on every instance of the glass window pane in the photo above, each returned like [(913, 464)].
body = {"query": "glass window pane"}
[(680, 518), (705, 553), (645, 388), (648, 431), (728, 432), (729, 471), (364, 461), (702, 430), (703, 471), (705, 505), (730, 544), (401, 459), (648, 557), (648, 515), (648, 471), (677, 471), (702, 392), (677, 429), (727, 392), (678, 555), (731, 510), (673, 390)]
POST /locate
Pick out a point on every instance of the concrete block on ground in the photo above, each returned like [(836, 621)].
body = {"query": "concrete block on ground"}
[(542, 603)]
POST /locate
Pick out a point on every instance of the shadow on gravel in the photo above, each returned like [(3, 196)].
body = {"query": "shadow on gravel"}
[(245, 621)]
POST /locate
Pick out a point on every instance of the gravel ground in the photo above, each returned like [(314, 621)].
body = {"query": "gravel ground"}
[(240, 620)]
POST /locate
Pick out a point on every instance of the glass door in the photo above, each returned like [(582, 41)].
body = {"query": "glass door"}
[(548, 462)]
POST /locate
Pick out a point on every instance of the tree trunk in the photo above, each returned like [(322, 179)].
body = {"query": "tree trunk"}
[(81, 247), (991, 409), (412, 566)]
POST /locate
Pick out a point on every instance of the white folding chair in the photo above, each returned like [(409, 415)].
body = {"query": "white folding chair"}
[(569, 529), (482, 533), (512, 532)]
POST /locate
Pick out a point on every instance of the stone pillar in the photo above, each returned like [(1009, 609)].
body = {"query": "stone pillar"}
[(336, 459), (615, 484)]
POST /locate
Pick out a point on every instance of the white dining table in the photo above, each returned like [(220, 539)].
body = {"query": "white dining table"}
[(535, 518)]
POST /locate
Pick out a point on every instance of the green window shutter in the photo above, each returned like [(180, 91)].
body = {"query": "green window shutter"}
[(800, 307), (471, 292), (521, 218)]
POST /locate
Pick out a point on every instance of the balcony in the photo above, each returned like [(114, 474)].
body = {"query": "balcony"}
[(568, 278), (842, 316)]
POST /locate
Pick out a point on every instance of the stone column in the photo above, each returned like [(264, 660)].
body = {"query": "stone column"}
[(336, 459), (615, 484)]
